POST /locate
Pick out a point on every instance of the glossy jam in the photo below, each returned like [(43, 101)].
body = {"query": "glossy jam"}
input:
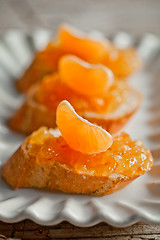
[(52, 91), (122, 62), (125, 156), (47, 60)]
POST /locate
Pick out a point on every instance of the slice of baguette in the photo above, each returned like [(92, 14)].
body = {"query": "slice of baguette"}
[(33, 115), (23, 171)]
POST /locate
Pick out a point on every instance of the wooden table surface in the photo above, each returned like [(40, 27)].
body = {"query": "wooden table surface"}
[(29, 231), (136, 17)]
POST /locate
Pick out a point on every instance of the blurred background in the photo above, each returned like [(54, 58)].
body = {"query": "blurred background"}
[(134, 16)]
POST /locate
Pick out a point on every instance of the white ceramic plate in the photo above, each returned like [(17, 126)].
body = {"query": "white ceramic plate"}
[(140, 200)]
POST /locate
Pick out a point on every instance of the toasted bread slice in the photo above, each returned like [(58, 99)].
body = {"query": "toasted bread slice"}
[(33, 114), (122, 62), (41, 67), (24, 169)]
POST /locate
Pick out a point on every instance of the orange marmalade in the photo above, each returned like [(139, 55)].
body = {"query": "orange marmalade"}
[(52, 90), (122, 62), (47, 60), (125, 156)]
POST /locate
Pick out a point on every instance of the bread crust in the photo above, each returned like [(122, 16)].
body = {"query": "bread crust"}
[(22, 171), (33, 115)]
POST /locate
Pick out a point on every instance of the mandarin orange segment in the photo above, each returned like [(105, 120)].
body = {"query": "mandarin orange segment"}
[(75, 42), (80, 134), (85, 78)]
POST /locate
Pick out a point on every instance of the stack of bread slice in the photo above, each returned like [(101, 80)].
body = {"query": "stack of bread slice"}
[(82, 156)]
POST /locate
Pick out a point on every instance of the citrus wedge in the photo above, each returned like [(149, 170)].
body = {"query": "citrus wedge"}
[(80, 134), (75, 42), (85, 78)]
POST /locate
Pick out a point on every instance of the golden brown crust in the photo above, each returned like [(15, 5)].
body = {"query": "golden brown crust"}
[(33, 115), (22, 170), (112, 125)]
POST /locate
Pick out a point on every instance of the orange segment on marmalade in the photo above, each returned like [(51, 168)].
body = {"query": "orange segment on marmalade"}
[(85, 78), (52, 90), (75, 42), (80, 134)]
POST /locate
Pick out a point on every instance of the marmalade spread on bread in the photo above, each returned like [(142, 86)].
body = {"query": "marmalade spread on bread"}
[(125, 156), (87, 87), (122, 62), (52, 91), (68, 40), (87, 148)]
